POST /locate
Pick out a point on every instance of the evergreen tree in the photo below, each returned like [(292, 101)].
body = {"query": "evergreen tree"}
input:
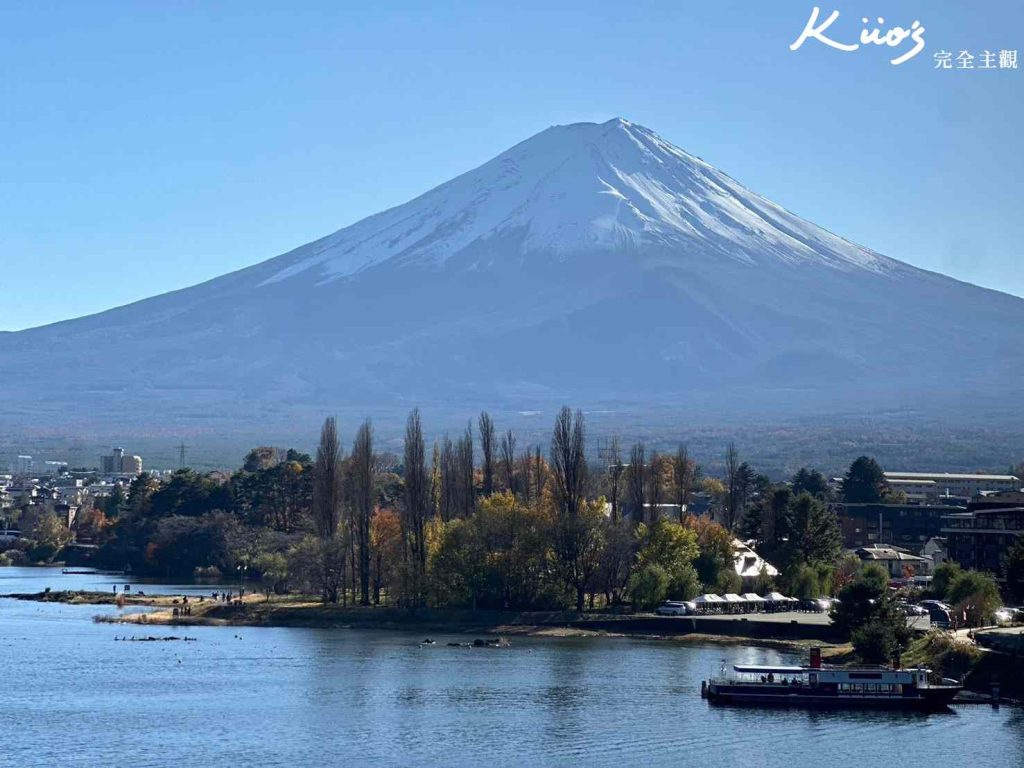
[(115, 502), (869, 617), (810, 481), (864, 482), (769, 521), (814, 533)]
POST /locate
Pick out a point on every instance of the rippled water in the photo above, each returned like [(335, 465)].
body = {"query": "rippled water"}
[(72, 696)]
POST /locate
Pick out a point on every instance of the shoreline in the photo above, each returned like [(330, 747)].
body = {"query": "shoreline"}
[(307, 612)]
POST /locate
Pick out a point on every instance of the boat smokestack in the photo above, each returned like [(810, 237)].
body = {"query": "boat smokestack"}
[(815, 658)]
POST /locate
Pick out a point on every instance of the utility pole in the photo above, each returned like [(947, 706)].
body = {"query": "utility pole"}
[(181, 456)]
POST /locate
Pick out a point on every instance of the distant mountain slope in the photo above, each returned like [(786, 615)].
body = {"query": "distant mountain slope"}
[(592, 263)]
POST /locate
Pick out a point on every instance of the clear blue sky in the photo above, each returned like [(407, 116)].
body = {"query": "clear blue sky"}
[(146, 146)]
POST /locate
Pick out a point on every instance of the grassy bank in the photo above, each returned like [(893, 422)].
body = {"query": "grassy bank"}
[(960, 659)]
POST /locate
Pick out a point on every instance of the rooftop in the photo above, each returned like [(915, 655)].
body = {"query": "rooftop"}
[(886, 553), (938, 476)]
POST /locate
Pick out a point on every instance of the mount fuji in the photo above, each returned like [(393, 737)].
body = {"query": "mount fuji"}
[(592, 264)]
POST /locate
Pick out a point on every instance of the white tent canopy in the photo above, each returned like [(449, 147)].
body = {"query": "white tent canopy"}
[(733, 598), (750, 597), (776, 597), (708, 600)]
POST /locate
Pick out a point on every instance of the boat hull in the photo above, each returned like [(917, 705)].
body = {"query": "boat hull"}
[(935, 698)]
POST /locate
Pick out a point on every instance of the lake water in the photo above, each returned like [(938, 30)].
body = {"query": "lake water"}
[(73, 696)]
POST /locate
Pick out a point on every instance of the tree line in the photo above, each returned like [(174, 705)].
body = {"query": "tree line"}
[(520, 530), (475, 521), (478, 521)]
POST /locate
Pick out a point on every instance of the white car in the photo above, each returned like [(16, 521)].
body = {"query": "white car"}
[(675, 608), (1007, 616)]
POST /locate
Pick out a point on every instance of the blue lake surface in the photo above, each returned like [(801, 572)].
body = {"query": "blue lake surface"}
[(74, 696)]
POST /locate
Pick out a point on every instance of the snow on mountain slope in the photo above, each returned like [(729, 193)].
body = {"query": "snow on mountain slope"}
[(591, 263), (579, 188)]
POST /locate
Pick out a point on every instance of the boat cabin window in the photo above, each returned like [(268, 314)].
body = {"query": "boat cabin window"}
[(868, 688)]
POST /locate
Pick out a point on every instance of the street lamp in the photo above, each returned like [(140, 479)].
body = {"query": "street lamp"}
[(241, 576)]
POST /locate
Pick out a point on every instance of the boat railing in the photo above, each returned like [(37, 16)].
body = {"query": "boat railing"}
[(747, 680), (752, 678)]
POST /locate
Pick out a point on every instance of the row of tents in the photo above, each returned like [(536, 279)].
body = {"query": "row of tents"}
[(745, 603)]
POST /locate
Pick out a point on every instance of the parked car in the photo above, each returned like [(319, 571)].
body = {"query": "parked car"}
[(939, 613), (912, 610), (675, 608), (1006, 616), (813, 605)]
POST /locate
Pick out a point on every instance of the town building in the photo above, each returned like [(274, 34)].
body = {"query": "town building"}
[(897, 561), (131, 465), (980, 536), (120, 463), (930, 487), (905, 525), (998, 500), (937, 549), (700, 504)]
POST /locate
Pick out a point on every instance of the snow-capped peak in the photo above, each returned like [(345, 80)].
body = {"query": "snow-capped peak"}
[(574, 189)]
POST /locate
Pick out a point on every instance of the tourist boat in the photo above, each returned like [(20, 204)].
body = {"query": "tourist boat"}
[(835, 687)]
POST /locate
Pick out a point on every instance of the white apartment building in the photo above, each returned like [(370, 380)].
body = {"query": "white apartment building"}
[(929, 486)]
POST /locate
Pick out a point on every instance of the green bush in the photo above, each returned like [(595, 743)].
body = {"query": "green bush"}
[(42, 552), (16, 557), (804, 581), (943, 579), (728, 581), (861, 600), (649, 586), (975, 595), (867, 615), (949, 656), (684, 584), (878, 641), (764, 583)]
